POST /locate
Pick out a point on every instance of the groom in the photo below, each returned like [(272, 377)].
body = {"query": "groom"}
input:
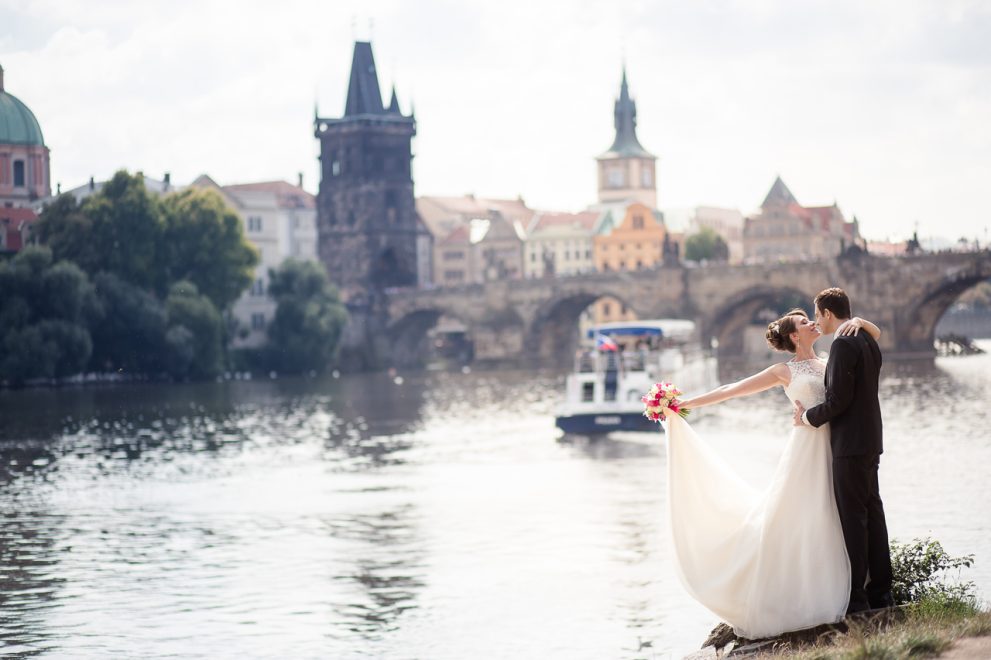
[(852, 409)]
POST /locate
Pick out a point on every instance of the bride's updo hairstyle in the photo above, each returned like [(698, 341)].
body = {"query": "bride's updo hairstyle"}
[(778, 333)]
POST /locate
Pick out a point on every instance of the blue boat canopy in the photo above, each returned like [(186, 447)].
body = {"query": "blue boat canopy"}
[(673, 328)]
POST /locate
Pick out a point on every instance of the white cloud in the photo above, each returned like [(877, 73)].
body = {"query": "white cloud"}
[(881, 106)]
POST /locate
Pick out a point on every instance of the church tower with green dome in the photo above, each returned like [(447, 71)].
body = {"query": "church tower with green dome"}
[(24, 165)]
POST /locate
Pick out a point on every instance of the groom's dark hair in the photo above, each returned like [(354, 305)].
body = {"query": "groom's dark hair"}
[(835, 300)]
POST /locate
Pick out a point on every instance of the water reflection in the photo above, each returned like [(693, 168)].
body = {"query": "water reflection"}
[(29, 581), (386, 574), (435, 516)]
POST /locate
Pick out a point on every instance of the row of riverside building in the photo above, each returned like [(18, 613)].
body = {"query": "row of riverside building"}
[(453, 240)]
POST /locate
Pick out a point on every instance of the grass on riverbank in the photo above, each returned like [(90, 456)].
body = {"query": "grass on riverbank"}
[(929, 628)]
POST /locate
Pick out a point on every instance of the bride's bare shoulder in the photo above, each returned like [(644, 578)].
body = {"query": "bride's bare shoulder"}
[(781, 371)]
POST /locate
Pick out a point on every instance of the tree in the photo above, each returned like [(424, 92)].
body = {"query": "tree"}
[(118, 231), (45, 311), (152, 243), (204, 244), (132, 337), (706, 244), (194, 335), (309, 317)]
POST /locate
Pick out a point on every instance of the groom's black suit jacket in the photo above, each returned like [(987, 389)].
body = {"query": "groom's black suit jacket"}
[(851, 404)]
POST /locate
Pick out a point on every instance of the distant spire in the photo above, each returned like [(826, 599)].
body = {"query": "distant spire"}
[(1, 78), (779, 194), (625, 121), (364, 97), (394, 103)]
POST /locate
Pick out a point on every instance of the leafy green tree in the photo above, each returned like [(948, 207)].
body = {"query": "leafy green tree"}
[(45, 311), (309, 317), (706, 244), (194, 335), (118, 231), (131, 337), (151, 243), (204, 244)]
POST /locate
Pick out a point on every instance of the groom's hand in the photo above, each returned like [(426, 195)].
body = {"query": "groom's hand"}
[(799, 411)]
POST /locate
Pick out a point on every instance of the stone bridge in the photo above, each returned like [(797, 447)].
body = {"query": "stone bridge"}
[(535, 320)]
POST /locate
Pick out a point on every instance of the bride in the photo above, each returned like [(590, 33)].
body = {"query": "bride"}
[(769, 561)]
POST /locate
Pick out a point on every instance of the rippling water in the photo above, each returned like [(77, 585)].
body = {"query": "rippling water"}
[(437, 517)]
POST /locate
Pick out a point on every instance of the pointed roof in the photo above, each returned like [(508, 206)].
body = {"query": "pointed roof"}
[(625, 121), (394, 103), (364, 97), (779, 194)]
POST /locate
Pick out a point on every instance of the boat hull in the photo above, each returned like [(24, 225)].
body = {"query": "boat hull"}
[(605, 422)]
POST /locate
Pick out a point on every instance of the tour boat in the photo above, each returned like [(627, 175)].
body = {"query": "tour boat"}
[(617, 364)]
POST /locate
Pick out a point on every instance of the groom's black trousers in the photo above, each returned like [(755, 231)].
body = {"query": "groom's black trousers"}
[(862, 518)]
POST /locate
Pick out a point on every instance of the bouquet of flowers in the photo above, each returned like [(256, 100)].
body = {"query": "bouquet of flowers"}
[(661, 396)]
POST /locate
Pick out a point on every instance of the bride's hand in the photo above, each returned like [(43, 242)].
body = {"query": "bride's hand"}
[(850, 327)]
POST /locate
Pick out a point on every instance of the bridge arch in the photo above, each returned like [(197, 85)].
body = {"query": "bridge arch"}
[(553, 333), (407, 335), (728, 319), (916, 324)]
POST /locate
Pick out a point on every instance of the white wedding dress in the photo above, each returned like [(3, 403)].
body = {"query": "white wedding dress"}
[(769, 561)]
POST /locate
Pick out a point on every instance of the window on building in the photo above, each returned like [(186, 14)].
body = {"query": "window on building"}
[(605, 309), (454, 275), (646, 177), (615, 177), (335, 168), (18, 173), (638, 222), (295, 222), (258, 287), (258, 321), (454, 255), (254, 223), (588, 254)]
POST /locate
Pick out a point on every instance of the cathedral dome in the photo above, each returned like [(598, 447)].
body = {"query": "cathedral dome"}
[(17, 123)]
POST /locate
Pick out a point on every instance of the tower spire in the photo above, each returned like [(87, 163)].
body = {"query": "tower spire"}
[(394, 102), (625, 121), (364, 96), (1, 77)]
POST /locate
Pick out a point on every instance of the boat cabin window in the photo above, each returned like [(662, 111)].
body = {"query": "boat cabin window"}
[(588, 391)]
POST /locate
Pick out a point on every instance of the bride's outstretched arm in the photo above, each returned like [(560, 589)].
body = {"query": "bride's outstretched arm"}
[(851, 326), (777, 374)]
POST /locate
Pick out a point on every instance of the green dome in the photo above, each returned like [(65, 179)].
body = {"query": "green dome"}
[(17, 122)]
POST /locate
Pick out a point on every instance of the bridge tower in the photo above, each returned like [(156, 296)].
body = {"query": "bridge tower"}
[(366, 216), (627, 170)]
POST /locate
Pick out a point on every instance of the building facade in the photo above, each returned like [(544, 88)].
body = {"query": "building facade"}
[(25, 177), (366, 217), (631, 238), (627, 171), (475, 239), (280, 222), (784, 230), (560, 244)]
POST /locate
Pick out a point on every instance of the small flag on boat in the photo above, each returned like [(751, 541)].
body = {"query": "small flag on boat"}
[(605, 343)]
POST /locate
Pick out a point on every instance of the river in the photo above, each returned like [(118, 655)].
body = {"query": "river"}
[(432, 515)]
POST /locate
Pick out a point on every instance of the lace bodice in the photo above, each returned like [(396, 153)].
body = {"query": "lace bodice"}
[(807, 383)]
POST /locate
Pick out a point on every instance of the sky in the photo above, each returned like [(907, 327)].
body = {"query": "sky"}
[(883, 107)]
